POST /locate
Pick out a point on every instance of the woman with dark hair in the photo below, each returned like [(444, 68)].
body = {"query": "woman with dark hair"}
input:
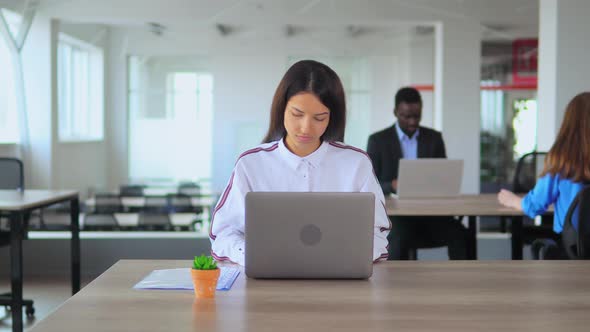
[(301, 152), (566, 169)]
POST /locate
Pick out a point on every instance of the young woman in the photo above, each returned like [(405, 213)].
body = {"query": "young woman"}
[(301, 152), (567, 168)]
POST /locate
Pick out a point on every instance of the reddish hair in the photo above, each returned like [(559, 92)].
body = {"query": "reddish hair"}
[(570, 154)]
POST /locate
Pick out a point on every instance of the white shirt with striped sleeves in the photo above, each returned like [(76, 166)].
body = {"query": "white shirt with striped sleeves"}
[(333, 167)]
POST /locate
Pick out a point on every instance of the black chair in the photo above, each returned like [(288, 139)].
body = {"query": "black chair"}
[(189, 188), (527, 171), (100, 222), (12, 178), (577, 242), (105, 203), (572, 244), (155, 214), (179, 203), (131, 190), (12, 174)]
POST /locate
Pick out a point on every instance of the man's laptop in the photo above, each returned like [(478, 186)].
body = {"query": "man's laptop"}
[(309, 235), (418, 178)]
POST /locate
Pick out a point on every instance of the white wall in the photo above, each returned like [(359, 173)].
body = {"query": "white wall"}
[(244, 85), (457, 94), (563, 62), (243, 89), (421, 72)]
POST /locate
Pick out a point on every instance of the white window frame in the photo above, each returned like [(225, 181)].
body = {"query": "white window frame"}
[(86, 126)]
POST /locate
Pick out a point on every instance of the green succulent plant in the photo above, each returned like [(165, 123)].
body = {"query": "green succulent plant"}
[(204, 263)]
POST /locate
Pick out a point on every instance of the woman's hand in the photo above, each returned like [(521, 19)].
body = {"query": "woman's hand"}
[(509, 199)]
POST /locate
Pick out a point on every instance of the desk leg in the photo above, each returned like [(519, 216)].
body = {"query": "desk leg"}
[(472, 238), (16, 270), (75, 244), (517, 238)]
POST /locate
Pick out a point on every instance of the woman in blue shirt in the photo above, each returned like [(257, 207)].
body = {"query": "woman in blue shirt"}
[(566, 171)]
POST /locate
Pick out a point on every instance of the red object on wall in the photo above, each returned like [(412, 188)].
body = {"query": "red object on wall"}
[(525, 57)]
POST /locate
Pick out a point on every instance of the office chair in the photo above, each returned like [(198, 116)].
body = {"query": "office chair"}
[(132, 191), (573, 244), (12, 178), (189, 188), (107, 203), (103, 218), (155, 214), (179, 203), (100, 222), (528, 168), (577, 242)]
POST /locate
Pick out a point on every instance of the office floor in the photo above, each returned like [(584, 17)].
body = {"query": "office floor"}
[(47, 294)]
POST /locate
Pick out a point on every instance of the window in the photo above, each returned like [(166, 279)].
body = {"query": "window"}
[(9, 127), (525, 126), (170, 120), (80, 90)]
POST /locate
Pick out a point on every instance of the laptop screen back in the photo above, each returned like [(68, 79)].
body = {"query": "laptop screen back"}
[(425, 177), (309, 235)]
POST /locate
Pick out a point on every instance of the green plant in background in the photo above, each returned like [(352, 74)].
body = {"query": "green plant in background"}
[(204, 263)]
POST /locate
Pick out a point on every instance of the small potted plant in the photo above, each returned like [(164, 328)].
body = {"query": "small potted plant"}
[(205, 274)]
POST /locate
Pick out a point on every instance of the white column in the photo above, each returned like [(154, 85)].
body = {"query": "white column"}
[(564, 69), (456, 94)]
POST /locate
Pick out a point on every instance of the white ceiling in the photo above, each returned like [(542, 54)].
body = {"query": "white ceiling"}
[(501, 19)]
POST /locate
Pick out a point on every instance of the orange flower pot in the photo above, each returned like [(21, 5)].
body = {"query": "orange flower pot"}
[(205, 282)]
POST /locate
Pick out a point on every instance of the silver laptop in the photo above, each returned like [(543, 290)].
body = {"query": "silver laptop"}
[(309, 235), (418, 178)]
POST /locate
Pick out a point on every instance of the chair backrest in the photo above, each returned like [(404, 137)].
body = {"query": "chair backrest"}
[(156, 204), (577, 241), (11, 174), (131, 190), (179, 203), (189, 188), (107, 203), (527, 171), (100, 222)]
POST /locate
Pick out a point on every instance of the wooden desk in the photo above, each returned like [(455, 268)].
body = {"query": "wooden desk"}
[(18, 205), (401, 296), (472, 206)]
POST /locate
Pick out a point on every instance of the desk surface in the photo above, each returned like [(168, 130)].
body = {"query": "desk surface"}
[(12, 200), (140, 201), (463, 205), (404, 296)]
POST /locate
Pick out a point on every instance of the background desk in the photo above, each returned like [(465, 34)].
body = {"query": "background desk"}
[(401, 296), (20, 204), (128, 201), (472, 206)]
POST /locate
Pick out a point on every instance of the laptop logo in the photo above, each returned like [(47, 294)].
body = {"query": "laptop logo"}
[(310, 235)]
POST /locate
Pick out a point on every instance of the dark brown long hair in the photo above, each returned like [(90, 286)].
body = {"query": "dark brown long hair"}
[(570, 154), (313, 77)]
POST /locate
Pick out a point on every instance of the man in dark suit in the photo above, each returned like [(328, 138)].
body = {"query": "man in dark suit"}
[(407, 139)]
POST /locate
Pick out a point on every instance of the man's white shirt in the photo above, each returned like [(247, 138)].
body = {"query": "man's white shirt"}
[(333, 167)]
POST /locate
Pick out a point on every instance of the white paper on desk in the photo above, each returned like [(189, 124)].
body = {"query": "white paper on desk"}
[(181, 279)]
